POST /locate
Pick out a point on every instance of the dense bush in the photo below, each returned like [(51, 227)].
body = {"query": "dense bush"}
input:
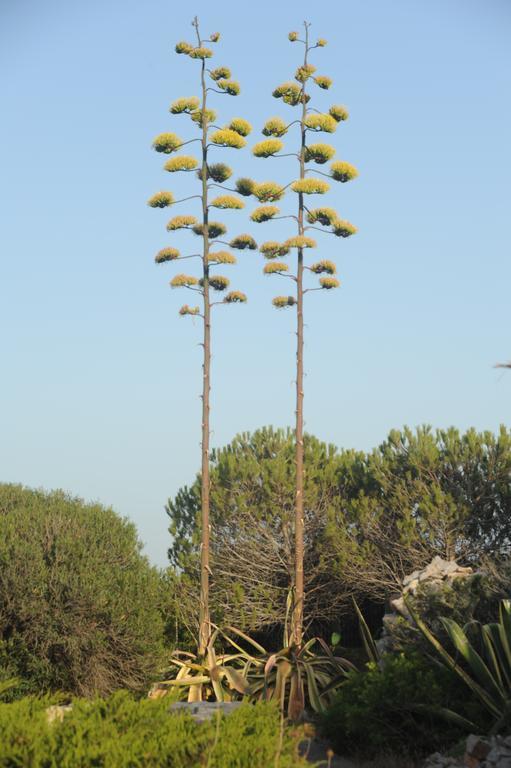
[(80, 606), (123, 732), (398, 708)]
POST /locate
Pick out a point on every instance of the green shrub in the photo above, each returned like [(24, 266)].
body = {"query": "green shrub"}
[(80, 606), (396, 708), (120, 731)]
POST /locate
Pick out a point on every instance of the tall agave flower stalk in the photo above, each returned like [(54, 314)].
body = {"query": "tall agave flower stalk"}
[(208, 284), (309, 154)]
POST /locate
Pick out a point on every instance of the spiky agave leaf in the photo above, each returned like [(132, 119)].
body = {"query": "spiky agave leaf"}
[(339, 112), (272, 249), (235, 297), (240, 125), (264, 213), (245, 186), (183, 47), (227, 201), (183, 281), (243, 242), (186, 310), (323, 266), (321, 123), (222, 257), (200, 53), (343, 171), (303, 73), (166, 254), (212, 229), (300, 241), (323, 81), (184, 104), (181, 163), (275, 267), (181, 222), (229, 86), (220, 73), (161, 200), (219, 172), (268, 191), (329, 282), (267, 148), (224, 137), (324, 216), (275, 126), (343, 228), (310, 186), (167, 143), (319, 153), (280, 302)]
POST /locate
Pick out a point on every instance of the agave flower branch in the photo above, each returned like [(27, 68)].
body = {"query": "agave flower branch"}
[(197, 109), (312, 121)]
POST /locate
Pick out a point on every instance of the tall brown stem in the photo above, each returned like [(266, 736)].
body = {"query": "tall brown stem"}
[(204, 617), (299, 520)]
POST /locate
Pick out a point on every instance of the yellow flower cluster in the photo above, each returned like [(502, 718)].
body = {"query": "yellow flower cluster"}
[(229, 86), (342, 171), (303, 73), (183, 281), (324, 266), (329, 282), (184, 47), (220, 73), (222, 257), (324, 216), (319, 153), (186, 104), (202, 116), (274, 267), (245, 186), (310, 186), (264, 213), (167, 143), (283, 301), (275, 126), (339, 112), (267, 191), (186, 310), (166, 254), (215, 37), (290, 93), (213, 229), (227, 138), (200, 53), (235, 297), (293, 37), (242, 242), (227, 201), (267, 148), (181, 163), (323, 81), (181, 222), (321, 42), (240, 125), (300, 241), (272, 249), (219, 172), (320, 123), (161, 200), (343, 228), (218, 282)]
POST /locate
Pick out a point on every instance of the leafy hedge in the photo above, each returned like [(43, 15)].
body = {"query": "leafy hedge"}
[(80, 606), (120, 731)]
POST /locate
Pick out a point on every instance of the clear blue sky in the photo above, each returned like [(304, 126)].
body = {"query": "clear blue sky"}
[(100, 381)]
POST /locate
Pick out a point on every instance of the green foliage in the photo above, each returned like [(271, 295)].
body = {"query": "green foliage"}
[(120, 731), (396, 708), (245, 186), (212, 229), (80, 607), (219, 172)]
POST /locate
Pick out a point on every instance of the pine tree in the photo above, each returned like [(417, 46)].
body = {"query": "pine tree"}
[(210, 175), (310, 121)]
